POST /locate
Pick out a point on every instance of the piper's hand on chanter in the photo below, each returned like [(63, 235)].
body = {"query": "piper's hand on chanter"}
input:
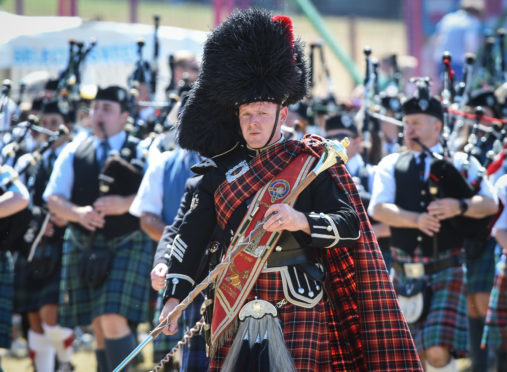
[(158, 276), (112, 204), (284, 217), (444, 208), (89, 218), (172, 328), (428, 224)]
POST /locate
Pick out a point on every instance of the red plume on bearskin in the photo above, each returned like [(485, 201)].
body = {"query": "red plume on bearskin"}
[(250, 57)]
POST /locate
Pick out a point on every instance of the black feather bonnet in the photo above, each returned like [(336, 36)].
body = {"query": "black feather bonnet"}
[(253, 56)]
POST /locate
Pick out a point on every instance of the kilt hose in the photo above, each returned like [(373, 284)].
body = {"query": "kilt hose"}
[(6, 298), (446, 323), (305, 331), (29, 294), (124, 292), (495, 328), (480, 272)]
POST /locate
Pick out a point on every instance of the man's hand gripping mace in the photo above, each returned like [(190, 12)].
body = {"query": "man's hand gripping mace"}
[(334, 152)]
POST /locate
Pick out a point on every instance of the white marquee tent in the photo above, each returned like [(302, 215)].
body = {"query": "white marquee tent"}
[(42, 43)]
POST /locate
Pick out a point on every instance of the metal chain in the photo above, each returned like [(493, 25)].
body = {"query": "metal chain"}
[(188, 335)]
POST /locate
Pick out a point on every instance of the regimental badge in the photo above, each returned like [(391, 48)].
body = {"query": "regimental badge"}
[(125, 152), (394, 104), (347, 121), (63, 106), (121, 95), (236, 171), (278, 189), (423, 104)]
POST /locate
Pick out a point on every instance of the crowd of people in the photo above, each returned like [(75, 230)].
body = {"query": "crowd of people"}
[(389, 257)]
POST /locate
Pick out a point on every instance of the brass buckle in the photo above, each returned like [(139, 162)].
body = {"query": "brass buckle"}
[(413, 270)]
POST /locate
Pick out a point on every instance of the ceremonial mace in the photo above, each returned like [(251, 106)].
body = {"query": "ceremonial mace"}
[(334, 152)]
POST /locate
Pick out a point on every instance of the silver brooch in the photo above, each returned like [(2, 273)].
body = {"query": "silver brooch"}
[(236, 171)]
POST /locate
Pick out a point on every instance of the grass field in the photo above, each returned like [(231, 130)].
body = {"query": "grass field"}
[(384, 36), (84, 361)]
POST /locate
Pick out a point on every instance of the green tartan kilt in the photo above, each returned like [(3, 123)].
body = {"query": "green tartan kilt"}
[(125, 291), (6, 295), (480, 272), (495, 329), (29, 294)]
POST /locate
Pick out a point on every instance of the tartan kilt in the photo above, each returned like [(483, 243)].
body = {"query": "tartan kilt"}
[(6, 295), (446, 323), (305, 331), (495, 328), (480, 272), (194, 357), (30, 295), (125, 291)]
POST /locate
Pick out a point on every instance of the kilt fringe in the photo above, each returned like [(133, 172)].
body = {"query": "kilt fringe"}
[(227, 335)]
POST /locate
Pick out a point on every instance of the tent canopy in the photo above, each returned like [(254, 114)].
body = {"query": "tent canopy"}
[(110, 61)]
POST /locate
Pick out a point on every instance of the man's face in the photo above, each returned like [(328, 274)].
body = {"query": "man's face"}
[(256, 121), (109, 115), (52, 122), (188, 69), (424, 127)]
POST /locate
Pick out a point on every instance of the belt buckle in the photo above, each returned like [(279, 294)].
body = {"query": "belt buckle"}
[(413, 270)]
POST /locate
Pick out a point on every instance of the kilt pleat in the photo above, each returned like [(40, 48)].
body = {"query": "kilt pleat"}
[(30, 295), (495, 330), (480, 272), (446, 323), (125, 291)]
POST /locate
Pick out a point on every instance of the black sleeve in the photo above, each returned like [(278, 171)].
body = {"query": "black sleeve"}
[(333, 221), (164, 246), (186, 245)]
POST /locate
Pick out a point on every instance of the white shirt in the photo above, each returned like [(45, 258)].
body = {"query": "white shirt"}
[(149, 197), (62, 177), (501, 189), (384, 184)]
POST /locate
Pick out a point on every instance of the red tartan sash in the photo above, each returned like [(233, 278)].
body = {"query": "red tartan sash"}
[(234, 285)]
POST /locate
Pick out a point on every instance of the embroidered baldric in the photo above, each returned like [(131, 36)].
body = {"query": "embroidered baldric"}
[(234, 285)]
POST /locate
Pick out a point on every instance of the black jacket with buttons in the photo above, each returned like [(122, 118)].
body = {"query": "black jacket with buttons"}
[(333, 223)]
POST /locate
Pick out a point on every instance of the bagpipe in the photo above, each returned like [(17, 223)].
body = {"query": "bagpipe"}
[(445, 179), (69, 80), (319, 74), (13, 147), (120, 175), (165, 113), (25, 224), (376, 104)]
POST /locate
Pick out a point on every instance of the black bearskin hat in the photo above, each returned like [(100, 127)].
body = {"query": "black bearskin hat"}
[(251, 57)]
